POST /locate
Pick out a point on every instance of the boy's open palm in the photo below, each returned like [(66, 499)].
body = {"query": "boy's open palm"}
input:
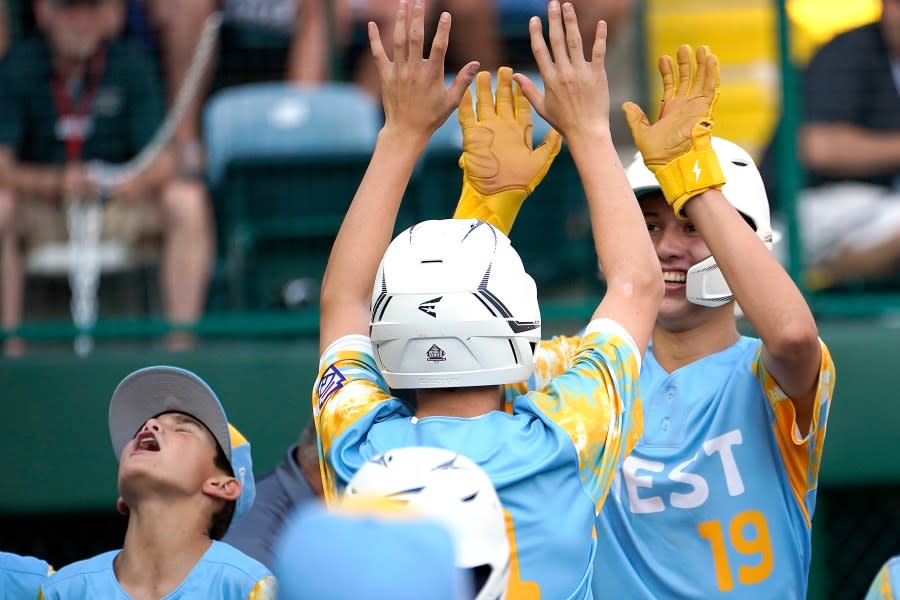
[(413, 95), (576, 91)]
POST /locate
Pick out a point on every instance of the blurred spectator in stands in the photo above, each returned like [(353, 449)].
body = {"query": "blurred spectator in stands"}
[(849, 143), (295, 481), (261, 40), (68, 97), (621, 52), (616, 13), (478, 31), (270, 40), (169, 32), (475, 35)]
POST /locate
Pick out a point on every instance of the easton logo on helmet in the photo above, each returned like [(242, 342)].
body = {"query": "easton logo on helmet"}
[(428, 307), (435, 354)]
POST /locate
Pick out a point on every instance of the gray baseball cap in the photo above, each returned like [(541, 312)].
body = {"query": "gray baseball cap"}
[(151, 391)]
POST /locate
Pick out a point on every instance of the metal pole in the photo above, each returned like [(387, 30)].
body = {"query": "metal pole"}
[(790, 174)]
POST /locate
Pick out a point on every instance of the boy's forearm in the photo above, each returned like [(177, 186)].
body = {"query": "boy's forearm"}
[(780, 316), (365, 235)]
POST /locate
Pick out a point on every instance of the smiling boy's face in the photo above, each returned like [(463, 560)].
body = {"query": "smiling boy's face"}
[(173, 453)]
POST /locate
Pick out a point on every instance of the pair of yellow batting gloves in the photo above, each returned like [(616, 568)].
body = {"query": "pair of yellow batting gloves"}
[(501, 167)]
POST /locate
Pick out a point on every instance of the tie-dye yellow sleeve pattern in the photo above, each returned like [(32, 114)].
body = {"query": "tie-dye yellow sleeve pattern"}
[(349, 388), (595, 402), (551, 358), (801, 455), (885, 581), (265, 589)]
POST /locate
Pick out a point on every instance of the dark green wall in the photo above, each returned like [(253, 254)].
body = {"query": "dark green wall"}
[(58, 459), (54, 438), (55, 443)]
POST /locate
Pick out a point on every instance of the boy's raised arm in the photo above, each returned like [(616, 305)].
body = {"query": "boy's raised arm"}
[(576, 103), (415, 104)]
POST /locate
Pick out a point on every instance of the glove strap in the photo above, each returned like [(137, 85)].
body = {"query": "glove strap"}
[(689, 175), (499, 209)]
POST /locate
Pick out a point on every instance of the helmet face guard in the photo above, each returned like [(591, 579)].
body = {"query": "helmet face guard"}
[(452, 489), (705, 284), (744, 189), (453, 306)]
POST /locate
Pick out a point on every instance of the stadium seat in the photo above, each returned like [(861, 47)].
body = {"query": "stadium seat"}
[(283, 163), (552, 231)]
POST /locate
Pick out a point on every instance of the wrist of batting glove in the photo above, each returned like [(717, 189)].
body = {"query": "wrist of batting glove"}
[(500, 209), (689, 175)]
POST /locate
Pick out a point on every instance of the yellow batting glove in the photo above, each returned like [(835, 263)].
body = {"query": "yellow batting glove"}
[(500, 167), (678, 147)]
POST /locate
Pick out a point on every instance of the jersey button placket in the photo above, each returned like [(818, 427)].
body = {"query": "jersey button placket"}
[(666, 422)]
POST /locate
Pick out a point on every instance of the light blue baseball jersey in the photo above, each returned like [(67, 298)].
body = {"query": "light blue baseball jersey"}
[(886, 581), (222, 572), (551, 457), (22, 576), (716, 499)]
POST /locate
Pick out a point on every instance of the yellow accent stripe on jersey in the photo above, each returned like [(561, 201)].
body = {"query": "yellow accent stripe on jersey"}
[(796, 459), (516, 588), (801, 456), (885, 586), (265, 589)]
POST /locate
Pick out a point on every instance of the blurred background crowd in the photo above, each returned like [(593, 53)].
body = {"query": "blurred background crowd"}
[(237, 212)]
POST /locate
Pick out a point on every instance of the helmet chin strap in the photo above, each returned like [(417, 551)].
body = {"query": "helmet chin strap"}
[(706, 285)]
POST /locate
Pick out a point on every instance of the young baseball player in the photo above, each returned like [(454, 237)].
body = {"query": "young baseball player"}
[(185, 474), (717, 497), (453, 315), (22, 576)]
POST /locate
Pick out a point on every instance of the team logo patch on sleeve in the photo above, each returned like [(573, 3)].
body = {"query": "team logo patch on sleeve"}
[(332, 380)]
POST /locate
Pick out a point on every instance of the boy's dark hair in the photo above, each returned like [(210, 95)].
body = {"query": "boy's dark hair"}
[(221, 519)]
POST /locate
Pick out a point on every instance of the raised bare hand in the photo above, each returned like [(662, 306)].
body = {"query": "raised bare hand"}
[(576, 91), (415, 99)]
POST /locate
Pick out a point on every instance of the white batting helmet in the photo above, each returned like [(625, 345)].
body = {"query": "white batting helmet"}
[(452, 489), (453, 306), (745, 191)]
